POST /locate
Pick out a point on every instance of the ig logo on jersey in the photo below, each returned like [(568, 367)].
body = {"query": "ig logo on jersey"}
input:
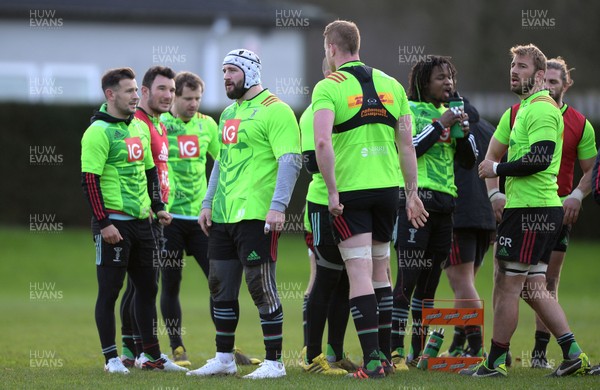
[(188, 146), (230, 131), (135, 151)]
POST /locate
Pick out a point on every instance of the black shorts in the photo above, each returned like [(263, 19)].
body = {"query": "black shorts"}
[(366, 211), (324, 244), (435, 236), (528, 235), (244, 240), (137, 249), (185, 235), (562, 242), (469, 246)]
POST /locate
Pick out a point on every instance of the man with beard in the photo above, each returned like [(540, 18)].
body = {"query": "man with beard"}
[(579, 143), (158, 89), (244, 211), (531, 218), (193, 137), (121, 184)]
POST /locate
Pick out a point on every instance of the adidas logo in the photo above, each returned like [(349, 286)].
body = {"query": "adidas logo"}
[(502, 252), (253, 256), (564, 241)]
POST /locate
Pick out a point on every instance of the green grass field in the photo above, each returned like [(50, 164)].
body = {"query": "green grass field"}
[(49, 338)]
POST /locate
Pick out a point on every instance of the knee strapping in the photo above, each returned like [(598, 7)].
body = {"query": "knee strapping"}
[(381, 251), (377, 285), (360, 252)]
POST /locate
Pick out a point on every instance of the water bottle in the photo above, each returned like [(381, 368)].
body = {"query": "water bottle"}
[(456, 103), (432, 348)]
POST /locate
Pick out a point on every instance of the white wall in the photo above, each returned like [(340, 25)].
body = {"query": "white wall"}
[(65, 63)]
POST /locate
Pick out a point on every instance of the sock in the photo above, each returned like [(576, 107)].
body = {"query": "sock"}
[(541, 344), (272, 327), (419, 332), (331, 355), (128, 346), (318, 307), (497, 354), (337, 316), (473, 334), (225, 357), (137, 344), (458, 342), (399, 321), (225, 315), (152, 350), (110, 352), (569, 346), (385, 302), (364, 313), (304, 325)]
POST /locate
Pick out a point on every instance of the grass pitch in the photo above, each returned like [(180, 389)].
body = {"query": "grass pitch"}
[(49, 338)]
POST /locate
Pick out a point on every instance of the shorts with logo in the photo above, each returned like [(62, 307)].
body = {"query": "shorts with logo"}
[(366, 211), (185, 235), (137, 249), (562, 243), (245, 240), (469, 246), (323, 242), (528, 235), (435, 236)]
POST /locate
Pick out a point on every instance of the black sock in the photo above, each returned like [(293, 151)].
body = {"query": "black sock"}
[(337, 316), (569, 346), (317, 309), (541, 344), (473, 333), (110, 352), (129, 345), (497, 354), (272, 327), (110, 281), (137, 344), (419, 332), (399, 321), (458, 342), (211, 307), (169, 298), (364, 313), (304, 325), (152, 349), (226, 315), (385, 304)]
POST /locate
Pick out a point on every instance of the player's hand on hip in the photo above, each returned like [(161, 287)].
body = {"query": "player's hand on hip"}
[(571, 207), (415, 211), (111, 234), (205, 220), (274, 221), (164, 218), (335, 207)]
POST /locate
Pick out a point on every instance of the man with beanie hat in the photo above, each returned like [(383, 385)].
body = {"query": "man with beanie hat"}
[(244, 210)]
